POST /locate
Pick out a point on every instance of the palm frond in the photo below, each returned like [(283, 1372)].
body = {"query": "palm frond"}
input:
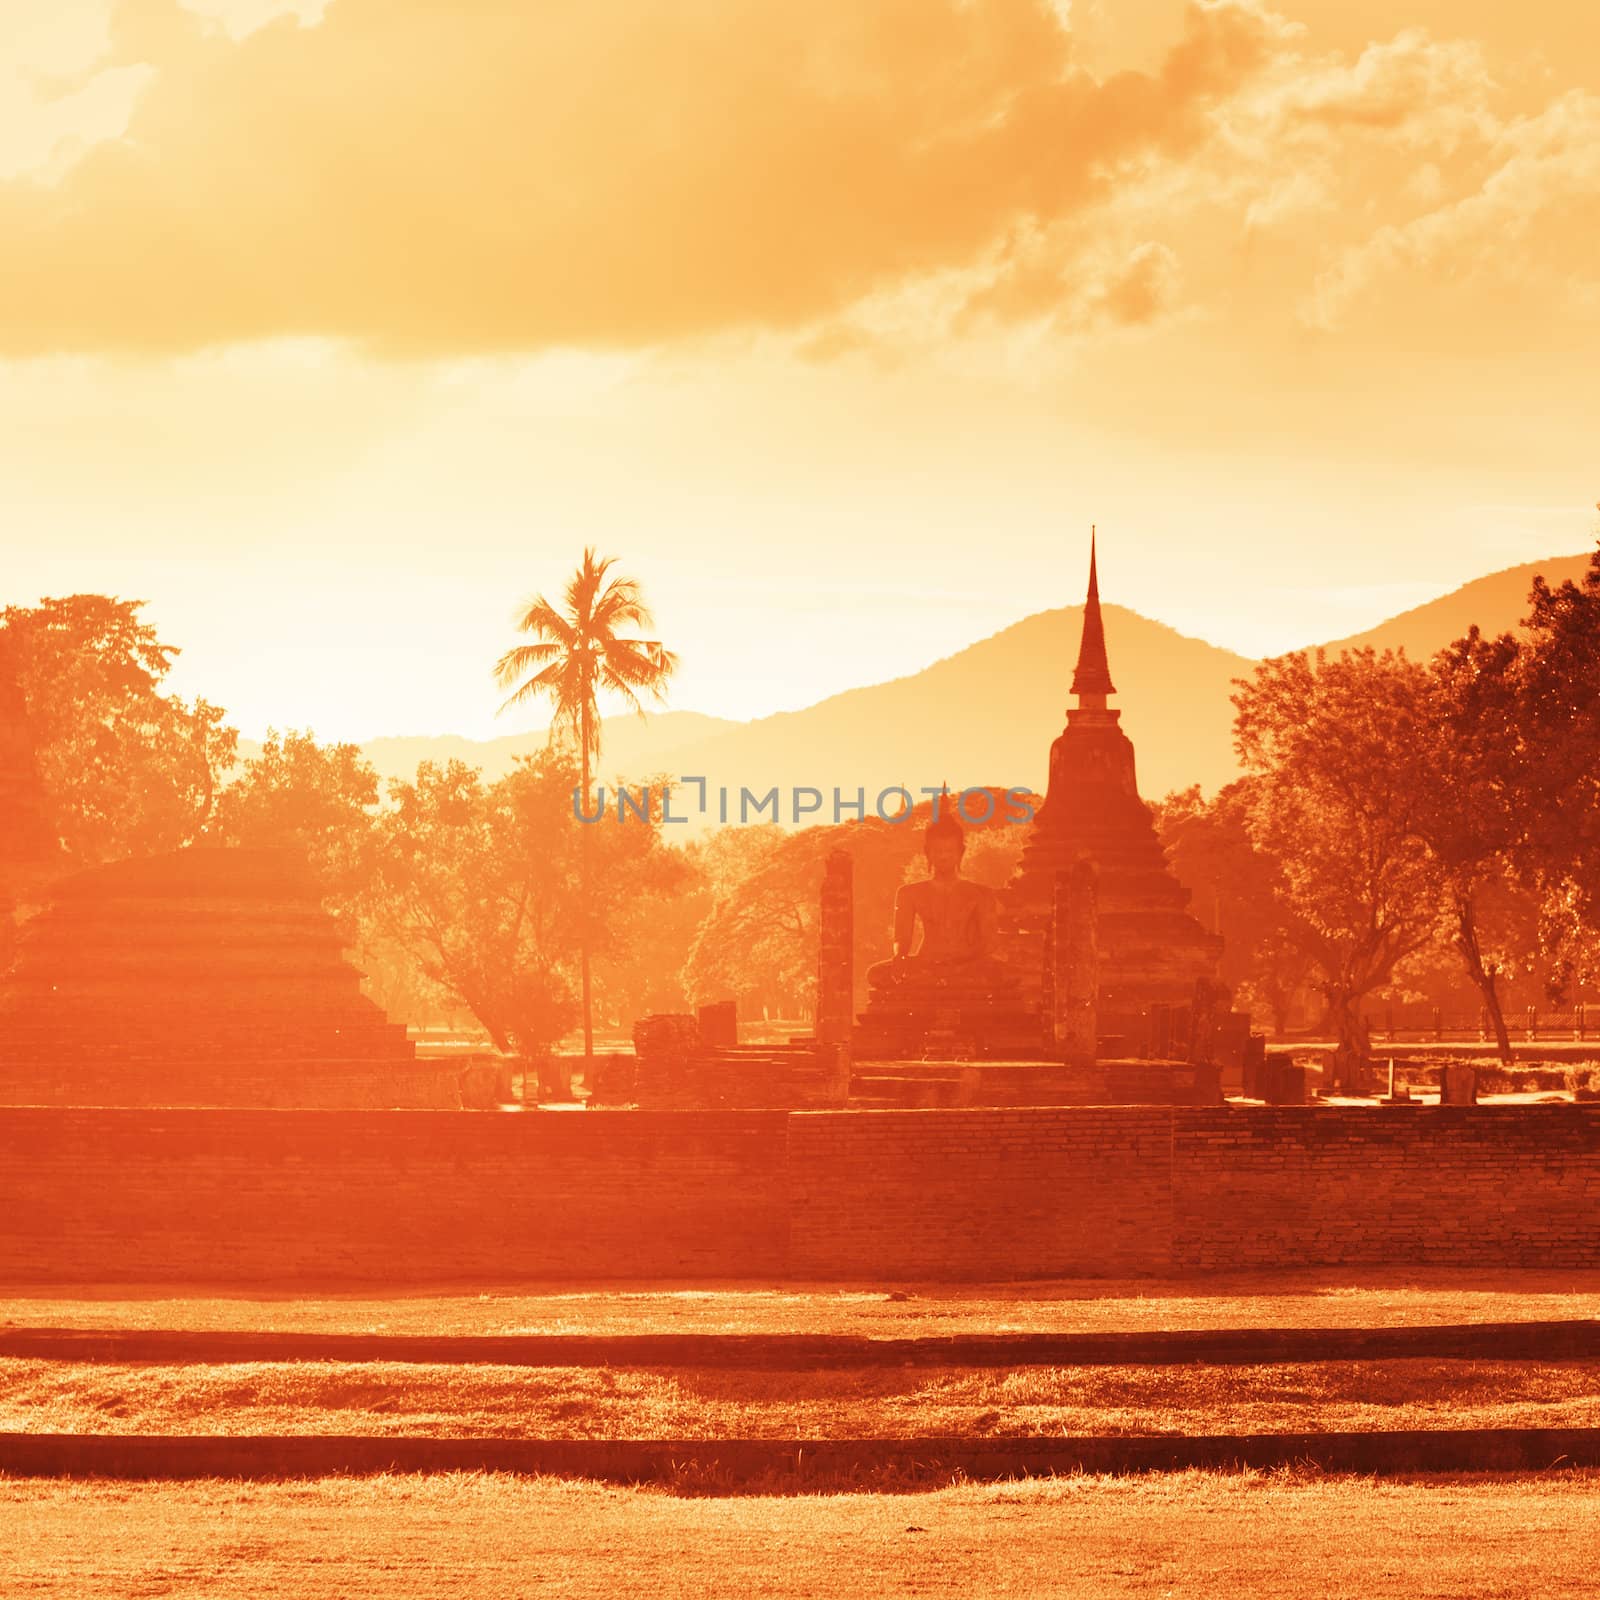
[(577, 653), (554, 682), (623, 690), (541, 619), (585, 585), (523, 658), (639, 664), (620, 605)]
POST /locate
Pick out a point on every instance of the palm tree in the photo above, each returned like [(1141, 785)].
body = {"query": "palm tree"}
[(579, 653)]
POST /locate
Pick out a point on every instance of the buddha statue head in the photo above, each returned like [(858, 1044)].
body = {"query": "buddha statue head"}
[(944, 841)]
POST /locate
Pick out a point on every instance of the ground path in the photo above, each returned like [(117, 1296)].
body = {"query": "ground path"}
[(1201, 1536), (1353, 1297)]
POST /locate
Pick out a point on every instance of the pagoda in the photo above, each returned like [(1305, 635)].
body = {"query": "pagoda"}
[(207, 976), (1152, 951), (29, 847)]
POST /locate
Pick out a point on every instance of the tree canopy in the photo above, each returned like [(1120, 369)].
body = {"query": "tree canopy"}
[(129, 769)]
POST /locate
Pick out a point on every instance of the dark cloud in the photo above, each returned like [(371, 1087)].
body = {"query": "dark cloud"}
[(431, 179)]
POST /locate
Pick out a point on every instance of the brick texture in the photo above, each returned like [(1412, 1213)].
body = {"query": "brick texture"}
[(1031, 1192), (397, 1196), (420, 1197), (1337, 1185)]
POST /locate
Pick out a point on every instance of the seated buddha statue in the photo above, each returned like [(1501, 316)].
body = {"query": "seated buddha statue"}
[(954, 961)]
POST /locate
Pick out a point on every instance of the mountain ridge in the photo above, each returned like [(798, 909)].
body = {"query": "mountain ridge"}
[(941, 722)]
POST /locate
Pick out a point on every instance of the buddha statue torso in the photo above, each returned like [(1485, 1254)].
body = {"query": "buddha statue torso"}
[(957, 919), (944, 929)]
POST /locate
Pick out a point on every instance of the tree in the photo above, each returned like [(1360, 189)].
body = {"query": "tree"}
[(579, 653), (487, 885), (759, 941), (128, 770), (1557, 711), (1471, 809), (1239, 887), (317, 800), (1335, 749), (475, 880), (1553, 757)]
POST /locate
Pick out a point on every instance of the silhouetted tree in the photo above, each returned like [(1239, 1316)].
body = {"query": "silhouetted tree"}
[(1239, 888), (128, 769), (1472, 809), (486, 884), (1334, 747), (479, 881), (319, 800), (579, 653), (1555, 766), (759, 940)]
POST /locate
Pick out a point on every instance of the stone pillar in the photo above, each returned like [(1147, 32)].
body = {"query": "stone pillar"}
[(665, 1045), (1075, 965), (1205, 1019), (836, 972), (719, 1024)]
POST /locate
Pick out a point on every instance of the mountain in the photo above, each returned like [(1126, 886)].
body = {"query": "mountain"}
[(988, 714), (1496, 603), (631, 745)]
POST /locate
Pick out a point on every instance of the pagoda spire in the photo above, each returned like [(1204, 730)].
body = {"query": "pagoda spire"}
[(1091, 682)]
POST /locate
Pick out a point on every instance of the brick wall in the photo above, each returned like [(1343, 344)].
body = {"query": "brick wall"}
[(1446, 1185), (405, 1196), (418, 1197), (381, 1085), (1039, 1192)]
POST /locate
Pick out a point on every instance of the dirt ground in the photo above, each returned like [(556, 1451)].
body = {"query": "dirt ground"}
[(386, 1398), (1323, 1298), (1201, 1536)]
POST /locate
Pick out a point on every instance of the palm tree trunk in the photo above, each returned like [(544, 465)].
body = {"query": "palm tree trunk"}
[(583, 920)]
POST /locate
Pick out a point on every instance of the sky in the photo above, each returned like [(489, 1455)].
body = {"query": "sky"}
[(335, 330)]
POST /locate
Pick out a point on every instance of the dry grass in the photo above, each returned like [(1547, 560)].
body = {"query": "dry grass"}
[(701, 1403), (1205, 1537), (1287, 1299)]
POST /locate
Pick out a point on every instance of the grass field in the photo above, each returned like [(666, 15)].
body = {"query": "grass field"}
[(621, 1403), (1210, 1536), (1205, 1537), (1356, 1298)]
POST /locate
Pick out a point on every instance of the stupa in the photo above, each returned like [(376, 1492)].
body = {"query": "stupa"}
[(28, 842), (1152, 950), (203, 977)]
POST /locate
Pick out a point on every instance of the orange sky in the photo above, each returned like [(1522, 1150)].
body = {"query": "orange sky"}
[(335, 329)]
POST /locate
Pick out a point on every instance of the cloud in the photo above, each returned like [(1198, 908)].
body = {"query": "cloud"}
[(1426, 91), (1076, 284), (438, 180), (1527, 223)]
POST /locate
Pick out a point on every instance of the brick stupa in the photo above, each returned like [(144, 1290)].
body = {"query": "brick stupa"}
[(206, 977), (29, 847), (1151, 950)]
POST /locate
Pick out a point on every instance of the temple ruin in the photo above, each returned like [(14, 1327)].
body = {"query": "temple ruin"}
[(1085, 981), (1151, 952), (204, 977)]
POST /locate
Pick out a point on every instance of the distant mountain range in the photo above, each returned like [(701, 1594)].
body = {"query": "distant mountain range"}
[(987, 714), (632, 745), (1497, 603)]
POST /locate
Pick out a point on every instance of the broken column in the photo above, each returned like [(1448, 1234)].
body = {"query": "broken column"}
[(1075, 964), (836, 972)]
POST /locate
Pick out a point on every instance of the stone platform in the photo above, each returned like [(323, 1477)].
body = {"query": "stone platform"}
[(206, 977), (681, 1063), (885, 1084)]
